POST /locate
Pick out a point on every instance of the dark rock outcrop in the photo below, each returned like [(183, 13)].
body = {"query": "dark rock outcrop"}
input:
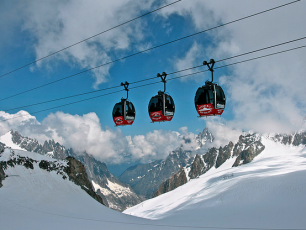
[(146, 179), (224, 154), (197, 167), (299, 139), (204, 137), (293, 139), (50, 148), (247, 148), (97, 171), (77, 173), (2, 176), (1, 147), (173, 182), (121, 199)]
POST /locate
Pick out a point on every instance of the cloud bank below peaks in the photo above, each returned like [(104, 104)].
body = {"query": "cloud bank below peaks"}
[(84, 133)]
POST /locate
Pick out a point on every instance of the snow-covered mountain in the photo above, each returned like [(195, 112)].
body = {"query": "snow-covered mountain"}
[(267, 193), (115, 194), (244, 151), (145, 179), (20, 161), (37, 194)]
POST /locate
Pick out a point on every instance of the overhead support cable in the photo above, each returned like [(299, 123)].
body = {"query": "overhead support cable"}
[(40, 59), (113, 87), (251, 59), (149, 49)]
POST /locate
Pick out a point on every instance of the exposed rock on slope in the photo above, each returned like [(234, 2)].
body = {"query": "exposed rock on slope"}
[(114, 193), (70, 168), (77, 173), (145, 179), (248, 147), (175, 181), (294, 139)]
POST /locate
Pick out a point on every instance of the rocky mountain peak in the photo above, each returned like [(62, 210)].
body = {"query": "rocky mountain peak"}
[(247, 147), (204, 137), (291, 139), (97, 171)]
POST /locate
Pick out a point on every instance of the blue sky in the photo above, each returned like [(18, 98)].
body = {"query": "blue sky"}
[(265, 95)]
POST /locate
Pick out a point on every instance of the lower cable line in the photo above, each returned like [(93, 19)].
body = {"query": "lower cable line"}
[(239, 62), (147, 79)]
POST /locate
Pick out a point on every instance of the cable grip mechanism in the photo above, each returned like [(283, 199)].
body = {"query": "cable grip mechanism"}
[(210, 66), (163, 79), (126, 85)]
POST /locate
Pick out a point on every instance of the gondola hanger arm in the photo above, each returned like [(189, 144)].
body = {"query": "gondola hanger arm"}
[(210, 66), (126, 85), (163, 79)]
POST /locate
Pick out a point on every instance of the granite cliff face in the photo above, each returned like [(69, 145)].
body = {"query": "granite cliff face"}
[(115, 194)]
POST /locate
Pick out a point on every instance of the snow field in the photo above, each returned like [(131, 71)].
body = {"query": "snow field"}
[(269, 192)]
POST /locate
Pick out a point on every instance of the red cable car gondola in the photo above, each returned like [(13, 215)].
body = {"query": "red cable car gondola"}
[(210, 99), (124, 111), (161, 107)]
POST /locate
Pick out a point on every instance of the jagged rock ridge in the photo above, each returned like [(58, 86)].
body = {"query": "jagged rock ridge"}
[(115, 194), (69, 168), (145, 179), (245, 150)]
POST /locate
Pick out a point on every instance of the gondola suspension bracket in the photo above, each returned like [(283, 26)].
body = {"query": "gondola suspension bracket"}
[(126, 85), (163, 79), (210, 66)]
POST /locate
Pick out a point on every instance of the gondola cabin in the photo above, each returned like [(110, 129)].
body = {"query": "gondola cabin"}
[(209, 100), (124, 113), (161, 107)]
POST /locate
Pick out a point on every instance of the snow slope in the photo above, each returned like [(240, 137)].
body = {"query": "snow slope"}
[(269, 192), (37, 199), (7, 140)]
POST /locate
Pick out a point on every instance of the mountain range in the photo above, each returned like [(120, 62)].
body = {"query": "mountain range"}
[(114, 193), (267, 193), (243, 152), (145, 179)]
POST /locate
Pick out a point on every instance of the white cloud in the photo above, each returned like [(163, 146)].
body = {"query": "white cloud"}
[(222, 132), (55, 24), (266, 95), (193, 57)]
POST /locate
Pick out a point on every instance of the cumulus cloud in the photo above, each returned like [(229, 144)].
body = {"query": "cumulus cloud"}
[(222, 131), (85, 133), (193, 57), (55, 24), (266, 95)]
